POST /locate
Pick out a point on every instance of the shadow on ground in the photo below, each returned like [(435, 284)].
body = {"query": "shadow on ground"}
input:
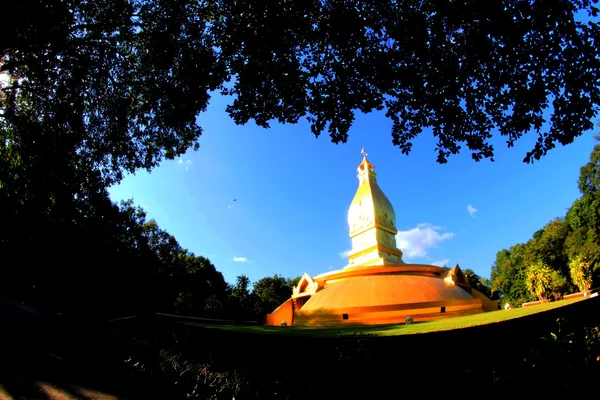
[(546, 354)]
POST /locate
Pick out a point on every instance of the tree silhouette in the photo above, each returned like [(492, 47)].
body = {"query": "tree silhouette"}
[(121, 82)]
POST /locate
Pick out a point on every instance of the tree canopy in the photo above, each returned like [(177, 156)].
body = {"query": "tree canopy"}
[(589, 175), (509, 274), (561, 257), (271, 292), (121, 82)]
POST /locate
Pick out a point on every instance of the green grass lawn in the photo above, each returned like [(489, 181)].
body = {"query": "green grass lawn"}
[(399, 329)]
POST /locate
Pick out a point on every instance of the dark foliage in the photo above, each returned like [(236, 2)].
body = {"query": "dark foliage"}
[(121, 82), (544, 355), (270, 292)]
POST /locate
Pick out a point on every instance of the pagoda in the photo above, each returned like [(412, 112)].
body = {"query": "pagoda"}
[(377, 286)]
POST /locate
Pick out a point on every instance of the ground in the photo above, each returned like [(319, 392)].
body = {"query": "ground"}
[(44, 381), (400, 329)]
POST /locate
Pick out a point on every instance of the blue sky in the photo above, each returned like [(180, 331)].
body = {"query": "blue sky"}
[(293, 192)]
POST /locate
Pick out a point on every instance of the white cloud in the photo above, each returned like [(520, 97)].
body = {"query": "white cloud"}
[(344, 254), (240, 259), (472, 210), (330, 267), (185, 163), (441, 263), (417, 241)]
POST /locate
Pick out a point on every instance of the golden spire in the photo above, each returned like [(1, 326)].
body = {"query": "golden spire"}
[(366, 170), (372, 222)]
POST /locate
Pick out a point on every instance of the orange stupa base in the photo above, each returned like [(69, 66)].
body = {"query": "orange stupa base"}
[(380, 295)]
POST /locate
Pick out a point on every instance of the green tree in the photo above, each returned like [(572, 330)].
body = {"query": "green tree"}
[(199, 281), (548, 247), (544, 282), (214, 307), (583, 242), (589, 174), (270, 293), (508, 275), (241, 289), (241, 300), (581, 273), (294, 282), (585, 212)]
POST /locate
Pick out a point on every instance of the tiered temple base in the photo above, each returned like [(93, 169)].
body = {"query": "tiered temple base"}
[(380, 295), (383, 315)]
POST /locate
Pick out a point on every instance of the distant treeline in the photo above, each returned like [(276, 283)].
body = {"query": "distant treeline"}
[(560, 258)]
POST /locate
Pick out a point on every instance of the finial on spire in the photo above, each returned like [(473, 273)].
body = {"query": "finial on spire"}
[(363, 152)]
